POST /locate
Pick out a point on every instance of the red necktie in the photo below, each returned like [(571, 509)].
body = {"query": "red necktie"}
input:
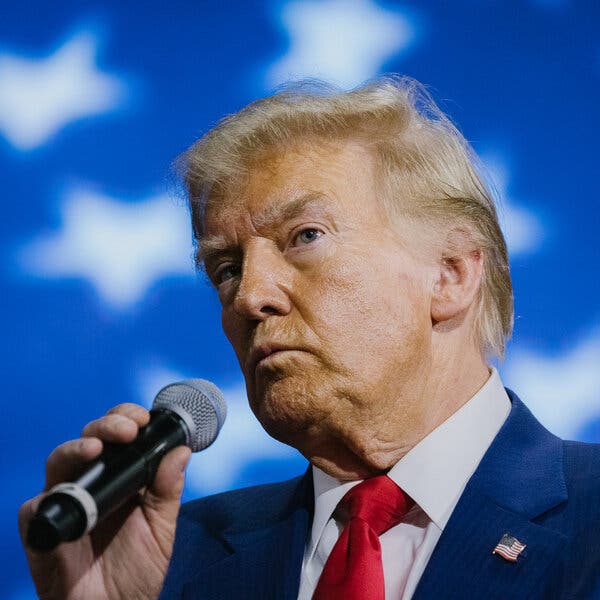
[(354, 570)]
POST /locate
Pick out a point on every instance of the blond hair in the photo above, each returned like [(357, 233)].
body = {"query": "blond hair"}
[(427, 168)]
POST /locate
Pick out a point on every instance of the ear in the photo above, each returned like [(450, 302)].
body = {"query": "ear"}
[(458, 278)]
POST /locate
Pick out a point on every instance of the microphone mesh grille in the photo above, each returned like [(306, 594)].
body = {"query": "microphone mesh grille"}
[(201, 403)]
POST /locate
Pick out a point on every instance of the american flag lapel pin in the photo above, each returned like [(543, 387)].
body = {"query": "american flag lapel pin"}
[(509, 548)]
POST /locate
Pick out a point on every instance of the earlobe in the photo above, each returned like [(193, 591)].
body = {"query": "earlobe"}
[(457, 285)]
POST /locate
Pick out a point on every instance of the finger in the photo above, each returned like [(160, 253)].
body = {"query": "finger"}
[(162, 499), (164, 495), (135, 412), (65, 460), (112, 428), (26, 512)]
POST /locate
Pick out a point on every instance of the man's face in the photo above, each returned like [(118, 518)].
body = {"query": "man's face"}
[(326, 305)]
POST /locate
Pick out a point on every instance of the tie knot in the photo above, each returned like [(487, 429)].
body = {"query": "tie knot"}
[(378, 501)]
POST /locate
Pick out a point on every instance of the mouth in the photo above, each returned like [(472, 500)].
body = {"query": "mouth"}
[(262, 352)]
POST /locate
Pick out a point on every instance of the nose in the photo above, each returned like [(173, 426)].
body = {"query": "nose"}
[(264, 285)]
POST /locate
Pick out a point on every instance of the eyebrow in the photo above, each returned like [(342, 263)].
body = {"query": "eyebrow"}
[(273, 214)]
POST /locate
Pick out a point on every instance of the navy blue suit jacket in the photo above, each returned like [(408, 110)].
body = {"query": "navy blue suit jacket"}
[(248, 544)]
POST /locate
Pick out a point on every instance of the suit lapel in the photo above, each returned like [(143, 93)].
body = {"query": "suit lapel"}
[(519, 478), (463, 566), (264, 562)]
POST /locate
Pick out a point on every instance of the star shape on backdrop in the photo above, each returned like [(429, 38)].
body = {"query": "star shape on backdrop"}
[(121, 248), (241, 442), (563, 391), (38, 97), (341, 41), (522, 228)]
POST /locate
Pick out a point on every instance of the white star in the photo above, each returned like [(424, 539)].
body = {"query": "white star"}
[(562, 391), (522, 229), (120, 248), (341, 41), (242, 440), (39, 97)]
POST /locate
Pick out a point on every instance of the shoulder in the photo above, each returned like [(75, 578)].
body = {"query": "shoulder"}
[(581, 463), (247, 507), (578, 519), (206, 527), (582, 460)]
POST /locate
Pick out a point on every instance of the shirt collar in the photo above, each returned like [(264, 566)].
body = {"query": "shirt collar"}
[(435, 472)]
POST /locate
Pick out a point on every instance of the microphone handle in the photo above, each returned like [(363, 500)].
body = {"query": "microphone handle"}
[(72, 509)]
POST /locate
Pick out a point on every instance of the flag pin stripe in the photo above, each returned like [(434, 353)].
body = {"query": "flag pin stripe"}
[(509, 548)]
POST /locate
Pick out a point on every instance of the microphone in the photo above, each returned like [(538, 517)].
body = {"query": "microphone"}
[(187, 413)]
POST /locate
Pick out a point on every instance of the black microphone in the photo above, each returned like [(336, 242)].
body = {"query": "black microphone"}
[(188, 413)]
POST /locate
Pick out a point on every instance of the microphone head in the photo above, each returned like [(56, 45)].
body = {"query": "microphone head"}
[(200, 404)]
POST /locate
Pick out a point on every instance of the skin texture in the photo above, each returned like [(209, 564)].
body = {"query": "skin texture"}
[(368, 333), (355, 339)]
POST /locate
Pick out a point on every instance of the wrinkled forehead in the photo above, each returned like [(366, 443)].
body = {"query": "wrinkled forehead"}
[(267, 182)]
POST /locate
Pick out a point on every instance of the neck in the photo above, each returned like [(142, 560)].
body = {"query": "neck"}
[(365, 447)]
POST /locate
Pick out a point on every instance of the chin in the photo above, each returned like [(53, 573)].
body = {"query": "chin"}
[(285, 408)]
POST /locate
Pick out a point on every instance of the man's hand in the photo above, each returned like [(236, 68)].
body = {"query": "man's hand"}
[(126, 556)]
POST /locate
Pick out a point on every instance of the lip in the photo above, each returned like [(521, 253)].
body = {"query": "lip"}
[(264, 350)]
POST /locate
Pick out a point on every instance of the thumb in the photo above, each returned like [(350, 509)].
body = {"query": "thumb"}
[(164, 494)]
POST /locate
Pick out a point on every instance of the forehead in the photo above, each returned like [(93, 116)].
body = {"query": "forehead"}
[(340, 174)]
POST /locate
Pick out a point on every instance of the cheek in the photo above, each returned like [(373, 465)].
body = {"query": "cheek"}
[(232, 327), (377, 287), (368, 313)]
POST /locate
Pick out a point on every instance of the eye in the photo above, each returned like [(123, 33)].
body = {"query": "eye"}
[(307, 236), (225, 273)]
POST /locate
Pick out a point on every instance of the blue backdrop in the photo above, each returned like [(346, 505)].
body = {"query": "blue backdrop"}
[(100, 303)]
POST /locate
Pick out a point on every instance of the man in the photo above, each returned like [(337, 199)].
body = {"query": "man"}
[(363, 279)]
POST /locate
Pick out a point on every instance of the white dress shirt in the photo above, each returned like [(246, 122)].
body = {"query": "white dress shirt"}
[(434, 473)]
